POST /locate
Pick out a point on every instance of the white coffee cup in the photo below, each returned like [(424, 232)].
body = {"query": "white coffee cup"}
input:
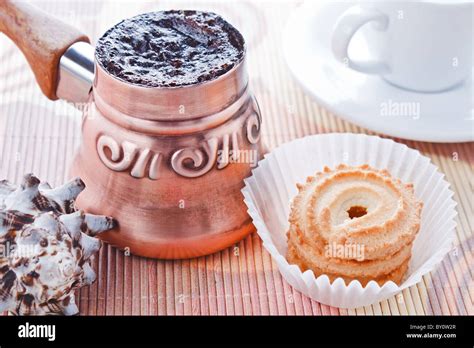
[(425, 46)]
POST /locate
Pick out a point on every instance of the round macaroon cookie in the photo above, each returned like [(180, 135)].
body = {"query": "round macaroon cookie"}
[(354, 223)]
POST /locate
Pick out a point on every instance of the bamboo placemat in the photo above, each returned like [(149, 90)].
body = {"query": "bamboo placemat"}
[(40, 136)]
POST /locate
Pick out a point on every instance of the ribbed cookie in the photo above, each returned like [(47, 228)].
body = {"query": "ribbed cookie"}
[(395, 275), (354, 206)]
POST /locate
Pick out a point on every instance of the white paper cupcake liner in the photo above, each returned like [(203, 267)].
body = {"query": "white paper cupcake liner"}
[(269, 191)]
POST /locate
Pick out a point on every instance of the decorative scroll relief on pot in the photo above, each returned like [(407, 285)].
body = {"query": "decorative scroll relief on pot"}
[(141, 162)]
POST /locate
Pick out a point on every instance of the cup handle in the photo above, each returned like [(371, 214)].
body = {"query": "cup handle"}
[(346, 26)]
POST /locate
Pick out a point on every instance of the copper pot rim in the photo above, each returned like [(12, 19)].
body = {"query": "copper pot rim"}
[(98, 65), (166, 104)]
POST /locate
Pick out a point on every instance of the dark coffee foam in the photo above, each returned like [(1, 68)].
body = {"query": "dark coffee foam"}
[(170, 48)]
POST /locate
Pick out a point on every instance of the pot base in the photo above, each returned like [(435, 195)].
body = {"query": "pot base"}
[(179, 249)]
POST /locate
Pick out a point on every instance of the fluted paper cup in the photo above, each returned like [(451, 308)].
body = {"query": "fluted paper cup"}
[(272, 186)]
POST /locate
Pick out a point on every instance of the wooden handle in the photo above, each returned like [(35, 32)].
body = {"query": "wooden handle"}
[(42, 38)]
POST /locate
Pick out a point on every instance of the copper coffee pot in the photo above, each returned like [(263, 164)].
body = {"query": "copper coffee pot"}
[(167, 162)]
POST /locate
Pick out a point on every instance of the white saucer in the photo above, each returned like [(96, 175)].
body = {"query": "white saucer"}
[(368, 100)]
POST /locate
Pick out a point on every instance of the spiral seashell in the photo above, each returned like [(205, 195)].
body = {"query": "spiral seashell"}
[(354, 223), (46, 247)]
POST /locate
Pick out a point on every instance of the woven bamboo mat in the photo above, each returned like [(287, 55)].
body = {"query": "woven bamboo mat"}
[(40, 136)]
